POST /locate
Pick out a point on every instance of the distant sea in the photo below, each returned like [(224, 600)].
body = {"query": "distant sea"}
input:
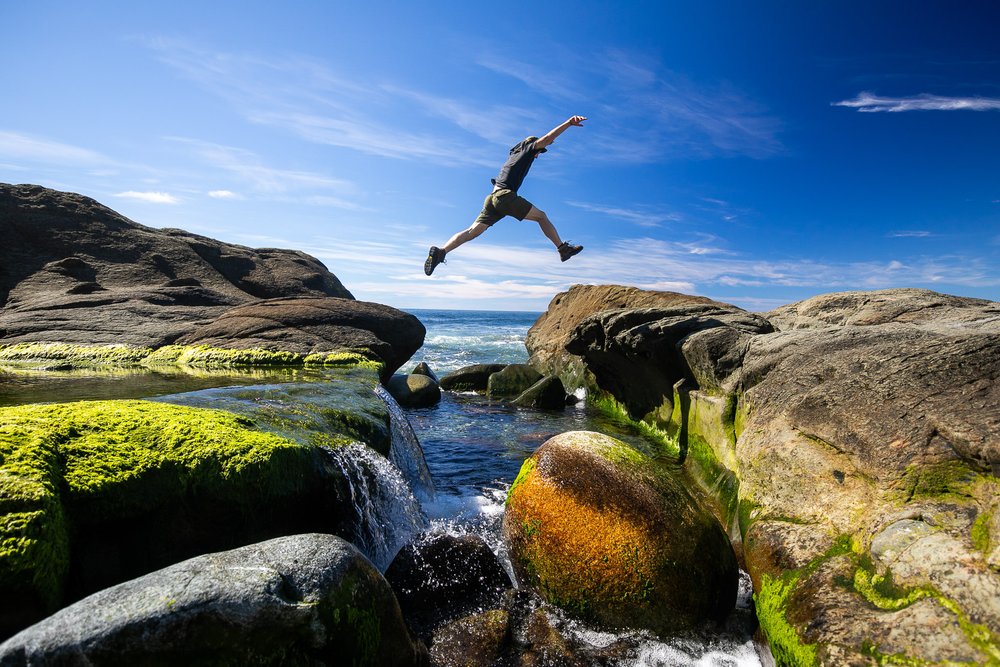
[(457, 338)]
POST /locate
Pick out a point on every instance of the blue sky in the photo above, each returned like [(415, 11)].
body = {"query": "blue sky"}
[(757, 153)]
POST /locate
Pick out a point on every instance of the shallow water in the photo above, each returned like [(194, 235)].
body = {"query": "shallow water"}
[(39, 383)]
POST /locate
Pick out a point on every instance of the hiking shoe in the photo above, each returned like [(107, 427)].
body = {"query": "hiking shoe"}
[(567, 250), (435, 256)]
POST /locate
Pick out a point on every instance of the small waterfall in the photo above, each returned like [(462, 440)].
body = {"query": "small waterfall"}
[(388, 514), (405, 451)]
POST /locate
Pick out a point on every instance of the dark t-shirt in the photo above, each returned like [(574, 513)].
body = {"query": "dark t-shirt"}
[(516, 167)]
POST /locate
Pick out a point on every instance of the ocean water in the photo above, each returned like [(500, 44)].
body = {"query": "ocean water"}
[(474, 449)]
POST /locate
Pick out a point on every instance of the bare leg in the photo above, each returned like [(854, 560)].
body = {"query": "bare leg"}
[(464, 236), (545, 224)]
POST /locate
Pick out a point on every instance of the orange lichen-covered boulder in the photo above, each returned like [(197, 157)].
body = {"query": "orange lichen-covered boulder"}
[(606, 533)]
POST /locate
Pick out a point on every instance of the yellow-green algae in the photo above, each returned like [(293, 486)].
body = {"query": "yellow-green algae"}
[(122, 458), (198, 356)]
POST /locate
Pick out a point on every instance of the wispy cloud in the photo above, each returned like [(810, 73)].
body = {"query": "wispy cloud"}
[(639, 217), (652, 113), (910, 233), (150, 197), (307, 186), (22, 147), (870, 103), (309, 99)]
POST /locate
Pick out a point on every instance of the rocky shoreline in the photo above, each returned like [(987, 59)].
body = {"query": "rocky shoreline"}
[(846, 452)]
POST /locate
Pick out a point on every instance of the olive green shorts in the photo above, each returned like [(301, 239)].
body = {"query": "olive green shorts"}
[(502, 203)]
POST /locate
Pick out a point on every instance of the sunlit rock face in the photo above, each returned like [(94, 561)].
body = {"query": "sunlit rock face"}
[(861, 435)]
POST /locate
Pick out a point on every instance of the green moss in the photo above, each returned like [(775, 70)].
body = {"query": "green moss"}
[(952, 480), (881, 591), (721, 483), (771, 605), (180, 355), (122, 459), (611, 407), (352, 358), (121, 355), (366, 629), (981, 533)]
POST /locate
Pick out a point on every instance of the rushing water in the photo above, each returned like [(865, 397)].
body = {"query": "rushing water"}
[(475, 447)]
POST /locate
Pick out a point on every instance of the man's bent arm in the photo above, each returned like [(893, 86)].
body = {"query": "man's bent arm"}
[(543, 142)]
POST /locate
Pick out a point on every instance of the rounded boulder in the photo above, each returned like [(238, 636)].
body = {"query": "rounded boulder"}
[(608, 534)]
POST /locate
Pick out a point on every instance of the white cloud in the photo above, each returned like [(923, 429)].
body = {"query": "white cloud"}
[(223, 194), (869, 102), (150, 197)]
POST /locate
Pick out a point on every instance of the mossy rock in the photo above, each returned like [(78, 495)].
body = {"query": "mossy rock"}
[(601, 531), (97, 492), (344, 403), (511, 381), (470, 378)]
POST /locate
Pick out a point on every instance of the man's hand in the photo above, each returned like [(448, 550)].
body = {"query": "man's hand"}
[(551, 135)]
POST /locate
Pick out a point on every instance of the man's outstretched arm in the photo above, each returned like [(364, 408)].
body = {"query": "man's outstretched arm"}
[(543, 142)]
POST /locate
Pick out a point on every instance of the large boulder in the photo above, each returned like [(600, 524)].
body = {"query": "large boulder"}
[(547, 338), (305, 599), (857, 449), (97, 492), (599, 529), (635, 354), (74, 271)]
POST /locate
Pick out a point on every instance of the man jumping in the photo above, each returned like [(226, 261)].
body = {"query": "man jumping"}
[(504, 200)]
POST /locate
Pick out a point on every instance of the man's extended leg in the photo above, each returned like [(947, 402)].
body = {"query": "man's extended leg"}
[(566, 249), (436, 255)]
